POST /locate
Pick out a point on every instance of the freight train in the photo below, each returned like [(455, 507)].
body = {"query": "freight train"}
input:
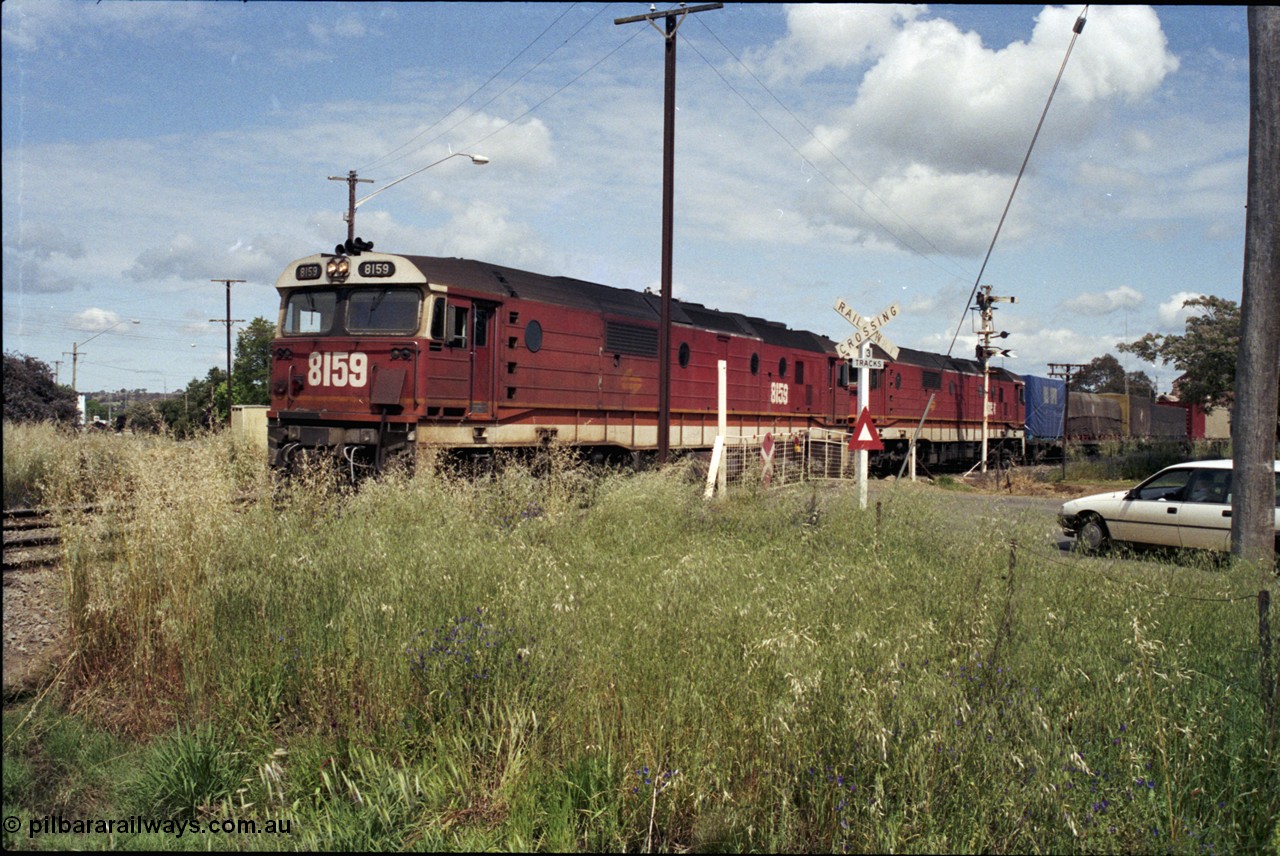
[(379, 356), (1092, 418)]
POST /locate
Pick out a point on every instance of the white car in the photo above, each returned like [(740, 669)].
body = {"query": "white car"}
[(1186, 505)]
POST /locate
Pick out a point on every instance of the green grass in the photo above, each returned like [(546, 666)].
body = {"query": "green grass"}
[(582, 661)]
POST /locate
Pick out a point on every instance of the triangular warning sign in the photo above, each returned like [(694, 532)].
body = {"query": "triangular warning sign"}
[(865, 437)]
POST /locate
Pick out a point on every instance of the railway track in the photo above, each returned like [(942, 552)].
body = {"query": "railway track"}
[(31, 539)]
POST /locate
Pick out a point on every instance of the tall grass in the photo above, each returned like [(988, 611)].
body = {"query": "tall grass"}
[(578, 660), (1133, 460)]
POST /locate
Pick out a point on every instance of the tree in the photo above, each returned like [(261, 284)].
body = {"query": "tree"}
[(31, 395), (1205, 354), (251, 374), (1105, 374)]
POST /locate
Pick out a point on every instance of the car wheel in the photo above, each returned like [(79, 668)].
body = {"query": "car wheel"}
[(1092, 536)]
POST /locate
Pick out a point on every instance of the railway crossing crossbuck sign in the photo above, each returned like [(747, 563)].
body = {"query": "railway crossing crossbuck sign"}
[(857, 350)]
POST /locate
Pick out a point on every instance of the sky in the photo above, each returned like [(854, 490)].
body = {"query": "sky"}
[(863, 153)]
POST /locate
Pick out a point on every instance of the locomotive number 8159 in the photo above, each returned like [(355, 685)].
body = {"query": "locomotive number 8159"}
[(380, 356)]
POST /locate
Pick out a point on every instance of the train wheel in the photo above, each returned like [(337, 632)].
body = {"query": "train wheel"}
[(1092, 537)]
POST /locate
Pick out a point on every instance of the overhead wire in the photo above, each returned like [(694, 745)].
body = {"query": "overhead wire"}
[(574, 80), (1075, 34), (898, 238), (509, 86), (381, 160)]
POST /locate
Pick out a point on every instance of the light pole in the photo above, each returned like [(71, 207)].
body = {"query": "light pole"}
[(351, 180), (76, 352)]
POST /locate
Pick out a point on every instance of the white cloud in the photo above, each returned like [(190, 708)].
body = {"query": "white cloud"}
[(1122, 51), (1172, 314), (940, 122), (830, 35), (31, 25), (339, 29), (482, 230), (1104, 303), (94, 320)]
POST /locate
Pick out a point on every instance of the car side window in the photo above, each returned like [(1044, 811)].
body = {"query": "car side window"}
[(1166, 486), (1212, 486)]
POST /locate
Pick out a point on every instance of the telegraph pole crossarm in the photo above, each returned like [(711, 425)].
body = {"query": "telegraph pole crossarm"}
[(351, 180), (673, 18)]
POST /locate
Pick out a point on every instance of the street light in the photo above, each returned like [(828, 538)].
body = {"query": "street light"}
[(76, 352), (353, 203)]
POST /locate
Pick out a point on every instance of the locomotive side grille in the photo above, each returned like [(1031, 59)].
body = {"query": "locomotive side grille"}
[(630, 339)]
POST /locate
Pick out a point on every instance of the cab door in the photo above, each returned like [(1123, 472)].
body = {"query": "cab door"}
[(483, 317)]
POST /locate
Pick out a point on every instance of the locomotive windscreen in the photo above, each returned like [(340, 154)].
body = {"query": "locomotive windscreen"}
[(383, 310), (310, 312)]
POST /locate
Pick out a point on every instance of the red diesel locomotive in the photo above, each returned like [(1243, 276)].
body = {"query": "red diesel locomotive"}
[(380, 355)]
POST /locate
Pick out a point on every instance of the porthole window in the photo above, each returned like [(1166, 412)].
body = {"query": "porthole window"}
[(782, 367), (533, 336), (755, 364), (684, 354)]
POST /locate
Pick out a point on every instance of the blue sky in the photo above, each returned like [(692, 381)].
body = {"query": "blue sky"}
[(822, 152)]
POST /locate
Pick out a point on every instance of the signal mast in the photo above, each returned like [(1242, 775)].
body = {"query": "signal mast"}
[(984, 351)]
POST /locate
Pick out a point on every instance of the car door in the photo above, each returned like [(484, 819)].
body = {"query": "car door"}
[(1204, 520), (1149, 514)]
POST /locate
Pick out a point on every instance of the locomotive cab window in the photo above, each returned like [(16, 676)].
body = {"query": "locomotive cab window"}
[(383, 310), (457, 321), (309, 313), (437, 318)]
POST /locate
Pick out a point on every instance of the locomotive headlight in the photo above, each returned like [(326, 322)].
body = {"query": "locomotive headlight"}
[(338, 268)]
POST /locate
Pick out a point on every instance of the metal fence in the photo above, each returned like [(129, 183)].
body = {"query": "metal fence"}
[(786, 458)]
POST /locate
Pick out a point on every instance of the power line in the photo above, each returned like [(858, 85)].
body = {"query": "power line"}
[(507, 88), (1075, 34), (575, 79), (826, 148)]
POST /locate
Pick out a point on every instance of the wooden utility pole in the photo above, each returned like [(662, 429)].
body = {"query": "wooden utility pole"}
[(351, 180), (673, 18), (1063, 370), (228, 322), (1254, 411)]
